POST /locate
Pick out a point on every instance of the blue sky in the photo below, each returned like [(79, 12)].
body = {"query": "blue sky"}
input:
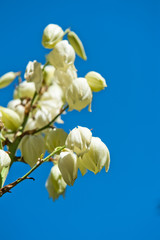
[(121, 39)]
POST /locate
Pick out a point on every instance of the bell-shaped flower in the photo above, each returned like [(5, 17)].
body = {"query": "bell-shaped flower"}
[(54, 138), (25, 90), (79, 95), (4, 159), (52, 34), (64, 79), (54, 92), (31, 124), (8, 78), (16, 105), (77, 45), (82, 169), (55, 184), (79, 140), (68, 166), (48, 74), (95, 81), (32, 146), (34, 74), (10, 118), (42, 117), (62, 56), (97, 157), (46, 111)]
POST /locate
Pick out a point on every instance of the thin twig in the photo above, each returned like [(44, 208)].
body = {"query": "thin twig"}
[(34, 131), (8, 187)]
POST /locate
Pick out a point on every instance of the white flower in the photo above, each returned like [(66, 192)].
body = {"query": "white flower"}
[(34, 74), (54, 92), (50, 104), (46, 111), (82, 169), (52, 35), (7, 78), (32, 146), (97, 157), (42, 117), (31, 124), (4, 159), (79, 95), (62, 56), (95, 81), (55, 184), (16, 105), (10, 118), (25, 90), (68, 166), (79, 140), (64, 79), (48, 74), (55, 138)]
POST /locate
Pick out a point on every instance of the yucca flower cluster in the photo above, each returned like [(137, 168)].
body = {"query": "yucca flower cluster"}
[(47, 91)]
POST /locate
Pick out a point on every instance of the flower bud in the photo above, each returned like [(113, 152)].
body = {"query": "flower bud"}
[(62, 56), (25, 90), (79, 95), (16, 105), (68, 166), (10, 118), (55, 138), (4, 159), (55, 184), (79, 140), (48, 74), (8, 78), (97, 157), (95, 81), (52, 34), (34, 74), (77, 45), (32, 146)]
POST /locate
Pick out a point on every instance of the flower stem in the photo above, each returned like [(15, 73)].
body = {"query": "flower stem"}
[(58, 149), (27, 114), (8, 187)]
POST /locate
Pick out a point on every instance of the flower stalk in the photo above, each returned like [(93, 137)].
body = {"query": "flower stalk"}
[(8, 187)]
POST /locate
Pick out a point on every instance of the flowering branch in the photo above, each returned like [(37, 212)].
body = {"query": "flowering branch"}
[(8, 187), (38, 99)]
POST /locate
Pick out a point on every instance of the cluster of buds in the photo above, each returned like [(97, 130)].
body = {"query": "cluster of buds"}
[(37, 104)]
